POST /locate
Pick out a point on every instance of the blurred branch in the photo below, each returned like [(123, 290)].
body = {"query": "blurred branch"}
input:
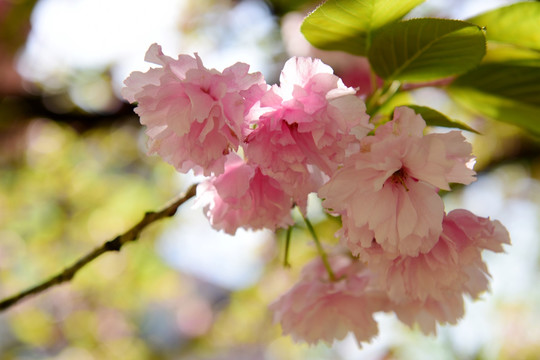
[(111, 245), (16, 110)]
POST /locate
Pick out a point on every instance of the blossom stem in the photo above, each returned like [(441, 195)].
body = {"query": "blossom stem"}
[(393, 88), (320, 249), (381, 96), (371, 101), (287, 244)]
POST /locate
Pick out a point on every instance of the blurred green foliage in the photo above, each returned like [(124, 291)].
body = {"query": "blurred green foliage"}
[(67, 194)]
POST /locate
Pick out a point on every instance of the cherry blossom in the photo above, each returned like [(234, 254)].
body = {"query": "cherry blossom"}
[(317, 309), (430, 312), (265, 148), (305, 126), (427, 289), (387, 191), (244, 197), (193, 115), (453, 266)]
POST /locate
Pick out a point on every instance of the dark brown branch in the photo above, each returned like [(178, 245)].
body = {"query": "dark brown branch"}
[(111, 245)]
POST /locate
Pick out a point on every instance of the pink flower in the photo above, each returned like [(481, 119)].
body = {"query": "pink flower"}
[(429, 312), (193, 115), (243, 197), (317, 309), (387, 191), (453, 266), (305, 126), (472, 234)]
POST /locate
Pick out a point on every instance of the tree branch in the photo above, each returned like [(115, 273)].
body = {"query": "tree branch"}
[(111, 245)]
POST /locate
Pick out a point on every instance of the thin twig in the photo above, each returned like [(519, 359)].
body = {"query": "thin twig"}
[(111, 245)]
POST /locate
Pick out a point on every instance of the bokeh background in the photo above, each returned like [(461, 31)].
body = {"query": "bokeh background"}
[(74, 173)]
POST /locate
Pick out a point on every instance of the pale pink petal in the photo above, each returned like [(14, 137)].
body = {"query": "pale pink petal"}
[(454, 265), (430, 312), (304, 126), (317, 309), (387, 189), (194, 116), (243, 197)]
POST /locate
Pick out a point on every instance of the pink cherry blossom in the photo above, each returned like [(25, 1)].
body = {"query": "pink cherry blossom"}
[(453, 266), (317, 309), (244, 197), (472, 234), (387, 191), (193, 115), (430, 312), (305, 126)]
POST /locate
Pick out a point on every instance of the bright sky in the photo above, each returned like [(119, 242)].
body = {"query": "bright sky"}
[(79, 34)]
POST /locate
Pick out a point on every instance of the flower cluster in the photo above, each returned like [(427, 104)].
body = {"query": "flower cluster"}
[(266, 148), (194, 115), (317, 308)]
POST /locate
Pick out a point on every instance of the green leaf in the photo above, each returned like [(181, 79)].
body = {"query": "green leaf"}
[(349, 25), (434, 118), (499, 52), (517, 24), (282, 7), (507, 92), (426, 49)]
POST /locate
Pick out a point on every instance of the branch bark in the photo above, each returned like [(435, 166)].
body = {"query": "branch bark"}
[(111, 245)]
